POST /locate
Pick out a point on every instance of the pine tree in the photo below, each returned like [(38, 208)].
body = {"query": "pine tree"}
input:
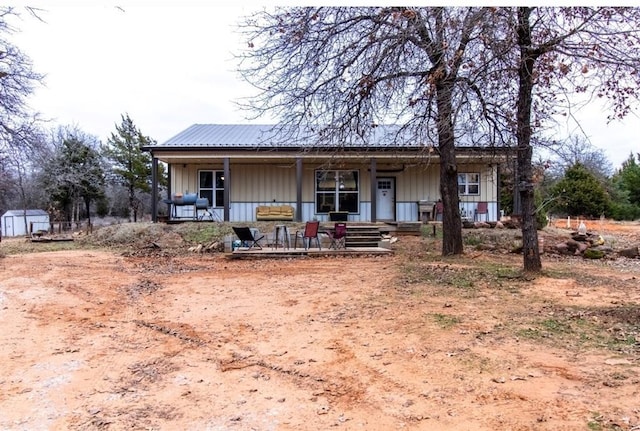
[(581, 194), (131, 167)]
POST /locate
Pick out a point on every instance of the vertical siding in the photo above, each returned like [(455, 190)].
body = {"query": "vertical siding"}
[(254, 185), (488, 182), (184, 179), (260, 184), (417, 183), (263, 183), (488, 192)]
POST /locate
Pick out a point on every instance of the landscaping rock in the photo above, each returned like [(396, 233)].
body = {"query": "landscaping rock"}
[(481, 225), (631, 252), (592, 253), (582, 247)]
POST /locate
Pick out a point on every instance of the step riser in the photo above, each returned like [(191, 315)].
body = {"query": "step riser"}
[(365, 236)]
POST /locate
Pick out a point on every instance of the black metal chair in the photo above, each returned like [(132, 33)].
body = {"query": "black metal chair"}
[(247, 238)]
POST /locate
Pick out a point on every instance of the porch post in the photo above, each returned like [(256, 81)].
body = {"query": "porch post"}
[(498, 200), (154, 189), (169, 177), (227, 187), (298, 189), (374, 187)]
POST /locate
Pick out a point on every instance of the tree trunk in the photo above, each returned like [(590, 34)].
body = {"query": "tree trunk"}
[(132, 207), (76, 211), (451, 222), (87, 204), (530, 251)]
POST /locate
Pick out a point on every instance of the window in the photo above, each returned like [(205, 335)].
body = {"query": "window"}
[(469, 184), (384, 184), (337, 191), (211, 186)]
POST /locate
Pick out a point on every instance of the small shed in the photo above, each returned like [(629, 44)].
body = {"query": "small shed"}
[(18, 222)]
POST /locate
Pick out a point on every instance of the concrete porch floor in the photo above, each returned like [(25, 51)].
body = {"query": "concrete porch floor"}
[(270, 252)]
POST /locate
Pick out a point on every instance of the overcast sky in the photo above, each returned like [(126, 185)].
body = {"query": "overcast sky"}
[(172, 66)]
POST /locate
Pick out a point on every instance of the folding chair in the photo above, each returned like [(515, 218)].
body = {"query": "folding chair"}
[(338, 236), (310, 232), (482, 208), (438, 210), (247, 237)]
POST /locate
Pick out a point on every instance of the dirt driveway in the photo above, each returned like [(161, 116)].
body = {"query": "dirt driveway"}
[(96, 340)]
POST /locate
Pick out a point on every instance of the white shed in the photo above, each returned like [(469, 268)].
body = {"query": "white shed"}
[(18, 222)]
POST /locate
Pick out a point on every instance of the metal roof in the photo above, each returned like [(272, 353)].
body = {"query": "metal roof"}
[(218, 135), (256, 136), (30, 213), (270, 137)]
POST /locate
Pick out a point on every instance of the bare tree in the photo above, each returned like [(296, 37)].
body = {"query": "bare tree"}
[(19, 134), (20, 167), (576, 149), (75, 172), (335, 74), (17, 80), (562, 52), (344, 71)]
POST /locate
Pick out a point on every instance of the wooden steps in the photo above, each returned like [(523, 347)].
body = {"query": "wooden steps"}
[(363, 236)]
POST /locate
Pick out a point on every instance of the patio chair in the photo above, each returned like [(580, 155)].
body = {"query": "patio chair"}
[(482, 208), (248, 238), (337, 236), (438, 209), (310, 232)]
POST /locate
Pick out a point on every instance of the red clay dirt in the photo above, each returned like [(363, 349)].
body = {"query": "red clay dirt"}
[(96, 340)]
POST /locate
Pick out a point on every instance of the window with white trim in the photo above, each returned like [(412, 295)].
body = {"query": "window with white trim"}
[(211, 186), (337, 191), (469, 184)]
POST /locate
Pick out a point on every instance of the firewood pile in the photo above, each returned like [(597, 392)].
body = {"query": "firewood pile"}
[(215, 246)]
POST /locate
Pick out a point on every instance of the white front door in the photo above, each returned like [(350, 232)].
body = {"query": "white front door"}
[(386, 199)]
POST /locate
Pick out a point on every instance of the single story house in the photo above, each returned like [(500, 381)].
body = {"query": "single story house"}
[(24, 222), (239, 168)]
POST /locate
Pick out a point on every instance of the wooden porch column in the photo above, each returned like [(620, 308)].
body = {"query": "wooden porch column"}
[(154, 189), (227, 187), (298, 215), (374, 189)]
